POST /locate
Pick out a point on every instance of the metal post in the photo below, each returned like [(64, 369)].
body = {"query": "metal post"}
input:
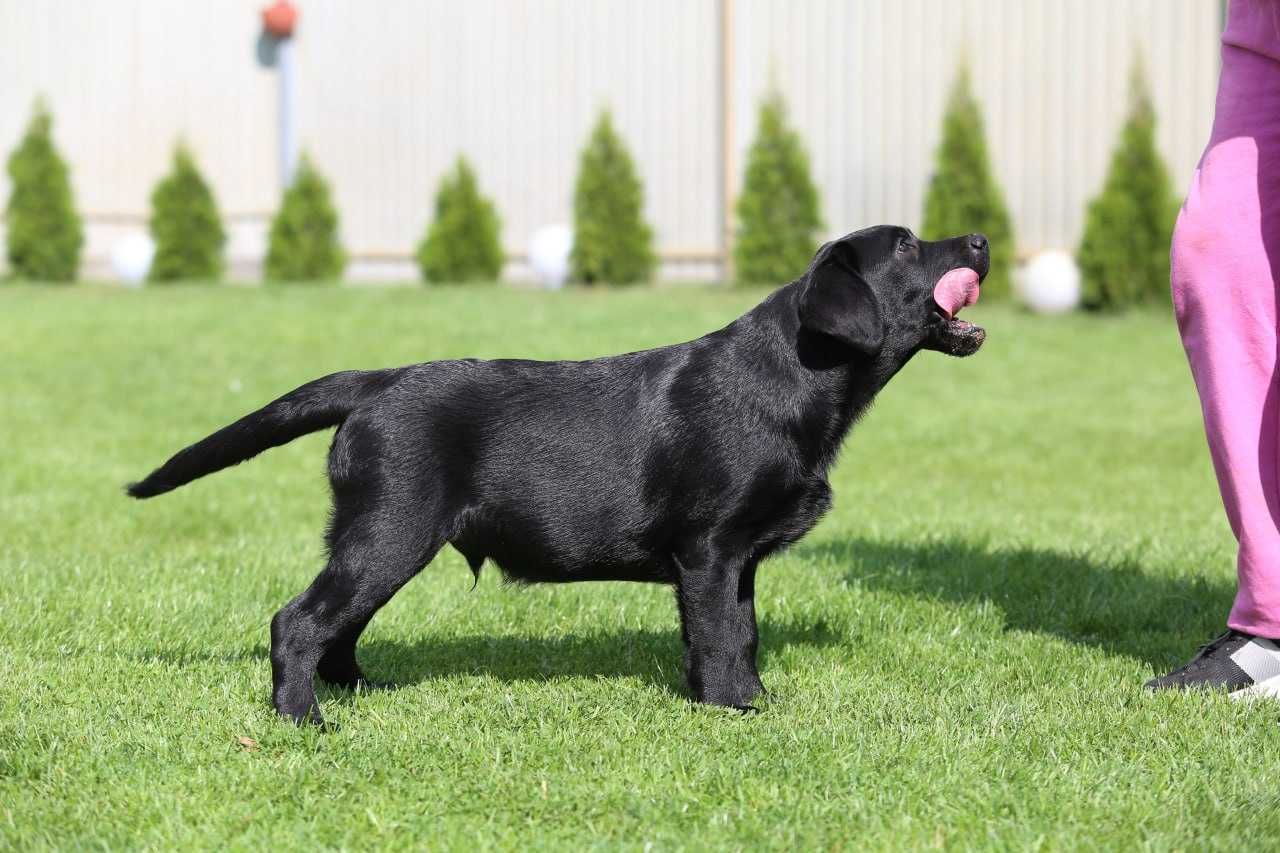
[(726, 139), (288, 125)]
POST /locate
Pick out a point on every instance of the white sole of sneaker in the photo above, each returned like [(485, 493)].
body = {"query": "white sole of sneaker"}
[(1269, 689)]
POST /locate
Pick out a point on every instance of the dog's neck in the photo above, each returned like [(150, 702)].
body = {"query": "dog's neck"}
[(830, 385)]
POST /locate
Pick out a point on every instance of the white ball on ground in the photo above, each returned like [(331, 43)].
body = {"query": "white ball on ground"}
[(1050, 282), (131, 257), (549, 251)]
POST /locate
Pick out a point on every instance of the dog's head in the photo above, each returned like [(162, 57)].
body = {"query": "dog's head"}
[(876, 288)]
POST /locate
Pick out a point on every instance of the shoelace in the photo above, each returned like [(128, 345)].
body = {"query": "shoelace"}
[(1213, 645)]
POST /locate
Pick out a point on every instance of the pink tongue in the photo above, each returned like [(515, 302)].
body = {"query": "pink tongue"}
[(955, 290)]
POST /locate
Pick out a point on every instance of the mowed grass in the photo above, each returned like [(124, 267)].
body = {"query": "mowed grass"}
[(955, 654)]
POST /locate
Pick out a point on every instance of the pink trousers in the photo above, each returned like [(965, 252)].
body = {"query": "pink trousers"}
[(1226, 275)]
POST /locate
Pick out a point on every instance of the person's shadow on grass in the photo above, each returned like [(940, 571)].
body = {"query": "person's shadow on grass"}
[(1111, 605)]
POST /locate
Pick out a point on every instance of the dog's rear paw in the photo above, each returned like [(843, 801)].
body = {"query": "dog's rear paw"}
[(303, 715), (743, 698)]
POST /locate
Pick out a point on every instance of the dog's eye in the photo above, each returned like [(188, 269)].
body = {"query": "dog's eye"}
[(904, 245)]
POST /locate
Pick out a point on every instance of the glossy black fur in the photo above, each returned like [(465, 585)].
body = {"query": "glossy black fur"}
[(684, 465)]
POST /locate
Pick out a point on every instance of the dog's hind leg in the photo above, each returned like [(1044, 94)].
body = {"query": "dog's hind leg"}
[(369, 562)]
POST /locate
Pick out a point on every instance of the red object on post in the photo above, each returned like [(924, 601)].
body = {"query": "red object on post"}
[(279, 19)]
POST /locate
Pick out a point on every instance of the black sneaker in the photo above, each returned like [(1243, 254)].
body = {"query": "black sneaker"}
[(1239, 663)]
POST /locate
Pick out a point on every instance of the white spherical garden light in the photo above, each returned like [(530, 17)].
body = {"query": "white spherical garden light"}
[(131, 257), (549, 250), (1050, 282)]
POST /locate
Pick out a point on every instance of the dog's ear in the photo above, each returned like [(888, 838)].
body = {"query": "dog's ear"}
[(837, 301)]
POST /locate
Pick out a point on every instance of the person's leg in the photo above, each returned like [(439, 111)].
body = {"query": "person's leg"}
[(1224, 295), (1226, 261)]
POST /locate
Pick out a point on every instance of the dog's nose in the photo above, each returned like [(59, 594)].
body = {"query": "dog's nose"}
[(978, 242)]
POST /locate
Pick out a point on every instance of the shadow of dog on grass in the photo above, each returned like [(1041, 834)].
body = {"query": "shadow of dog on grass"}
[(1111, 604), (1108, 604), (644, 654)]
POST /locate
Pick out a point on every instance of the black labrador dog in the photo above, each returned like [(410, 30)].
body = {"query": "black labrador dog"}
[(685, 465)]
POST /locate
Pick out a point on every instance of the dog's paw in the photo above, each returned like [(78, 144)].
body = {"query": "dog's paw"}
[(304, 715), (744, 699)]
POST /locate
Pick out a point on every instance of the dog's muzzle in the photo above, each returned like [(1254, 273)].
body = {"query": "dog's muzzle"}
[(957, 289)]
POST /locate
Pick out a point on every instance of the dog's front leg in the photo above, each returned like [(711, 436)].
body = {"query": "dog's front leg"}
[(718, 620)]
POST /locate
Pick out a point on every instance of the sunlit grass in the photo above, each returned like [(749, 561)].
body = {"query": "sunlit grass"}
[(955, 655)]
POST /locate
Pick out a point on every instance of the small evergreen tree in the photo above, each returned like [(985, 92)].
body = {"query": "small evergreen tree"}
[(611, 241), (185, 224), (44, 231), (1124, 254), (963, 196), (303, 244), (778, 211), (463, 242)]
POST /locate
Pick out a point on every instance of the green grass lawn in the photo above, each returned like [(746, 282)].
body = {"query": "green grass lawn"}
[(955, 654)]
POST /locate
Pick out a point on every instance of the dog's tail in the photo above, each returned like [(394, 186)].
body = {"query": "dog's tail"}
[(315, 406)]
